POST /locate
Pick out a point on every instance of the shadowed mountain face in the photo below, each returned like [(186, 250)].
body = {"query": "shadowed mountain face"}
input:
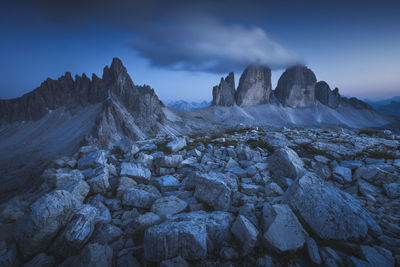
[(56, 117), (296, 87), (115, 86)]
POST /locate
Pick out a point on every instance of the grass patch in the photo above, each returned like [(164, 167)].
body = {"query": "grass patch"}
[(261, 144), (376, 154), (369, 132), (162, 146), (308, 151)]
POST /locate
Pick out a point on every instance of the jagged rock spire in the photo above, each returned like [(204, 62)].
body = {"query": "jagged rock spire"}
[(326, 96), (224, 93)]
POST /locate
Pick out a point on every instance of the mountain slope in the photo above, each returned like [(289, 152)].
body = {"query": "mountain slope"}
[(271, 115), (55, 118)]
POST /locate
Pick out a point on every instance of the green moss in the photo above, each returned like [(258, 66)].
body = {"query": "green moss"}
[(376, 154), (253, 143), (162, 146), (308, 151), (369, 132)]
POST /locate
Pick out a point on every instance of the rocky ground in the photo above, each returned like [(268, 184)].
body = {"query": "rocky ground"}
[(245, 197)]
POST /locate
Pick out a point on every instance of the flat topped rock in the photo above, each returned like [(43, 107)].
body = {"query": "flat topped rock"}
[(254, 86), (328, 211), (296, 87)]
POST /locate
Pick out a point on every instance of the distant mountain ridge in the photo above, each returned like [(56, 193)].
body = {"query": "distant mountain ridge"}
[(185, 105), (390, 106)]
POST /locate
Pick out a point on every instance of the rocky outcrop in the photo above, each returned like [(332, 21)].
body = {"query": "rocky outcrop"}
[(127, 109), (67, 112), (224, 93), (326, 96), (48, 215), (296, 87), (329, 212), (254, 86)]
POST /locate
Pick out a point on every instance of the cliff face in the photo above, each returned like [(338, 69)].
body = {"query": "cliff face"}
[(224, 93), (115, 88), (254, 86), (61, 113), (326, 96), (296, 87)]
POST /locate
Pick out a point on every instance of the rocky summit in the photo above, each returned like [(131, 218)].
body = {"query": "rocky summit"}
[(296, 87), (298, 196), (254, 86)]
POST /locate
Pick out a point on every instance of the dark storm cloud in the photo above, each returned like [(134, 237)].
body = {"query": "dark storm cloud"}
[(179, 34), (212, 36)]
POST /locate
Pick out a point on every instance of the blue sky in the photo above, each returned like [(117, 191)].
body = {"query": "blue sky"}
[(182, 48)]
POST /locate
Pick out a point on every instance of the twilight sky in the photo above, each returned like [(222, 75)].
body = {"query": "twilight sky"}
[(182, 48)]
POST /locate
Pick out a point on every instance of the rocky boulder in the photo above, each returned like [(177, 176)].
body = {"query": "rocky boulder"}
[(326, 96), (246, 233), (135, 171), (138, 198), (214, 191), (285, 162), (171, 239), (328, 211), (285, 233), (254, 86), (296, 87), (76, 233), (91, 255), (47, 216), (224, 93), (168, 206)]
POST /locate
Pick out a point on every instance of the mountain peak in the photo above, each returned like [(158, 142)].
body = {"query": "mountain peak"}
[(117, 66)]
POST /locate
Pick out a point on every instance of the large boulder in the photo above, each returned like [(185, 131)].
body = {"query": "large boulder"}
[(168, 206), (76, 233), (246, 233), (285, 162), (176, 144), (224, 93), (328, 211), (71, 181), (217, 223), (254, 86), (285, 233), (326, 96), (296, 87), (92, 160), (377, 256), (171, 239), (138, 198), (213, 190), (92, 255), (135, 171), (47, 216)]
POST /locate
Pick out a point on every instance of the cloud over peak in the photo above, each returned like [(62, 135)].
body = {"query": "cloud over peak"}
[(206, 44)]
